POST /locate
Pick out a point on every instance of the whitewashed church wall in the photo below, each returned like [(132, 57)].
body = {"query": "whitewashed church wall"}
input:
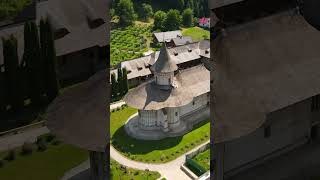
[(173, 117), (164, 79), (288, 126), (197, 103), (147, 119)]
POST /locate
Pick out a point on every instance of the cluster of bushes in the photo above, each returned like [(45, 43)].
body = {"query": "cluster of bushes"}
[(119, 84), (119, 108), (128, 43), (28, 148)]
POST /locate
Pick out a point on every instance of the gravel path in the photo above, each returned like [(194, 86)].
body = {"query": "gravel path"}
[(170, 170), (17, 140)]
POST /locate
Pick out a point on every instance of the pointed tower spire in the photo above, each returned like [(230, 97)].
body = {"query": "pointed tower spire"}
[(165, 62)]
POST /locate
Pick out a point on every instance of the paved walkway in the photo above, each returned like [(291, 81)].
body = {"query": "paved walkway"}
[(80, 172), (13, 141), (170, 170)]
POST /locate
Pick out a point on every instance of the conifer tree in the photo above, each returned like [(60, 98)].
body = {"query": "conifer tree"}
[(49, 57), (120, 84), (33, 63), (113, 85), (125, 80), (12, 73)]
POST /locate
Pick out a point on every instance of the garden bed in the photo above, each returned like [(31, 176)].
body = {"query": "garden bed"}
[(50, 162), (129, 43), (159, 151), (119, 171)]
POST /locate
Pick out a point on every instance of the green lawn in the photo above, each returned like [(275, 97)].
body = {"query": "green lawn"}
[(203, 159), (159, 151), (49, 165), (196, 33), (121, 172)]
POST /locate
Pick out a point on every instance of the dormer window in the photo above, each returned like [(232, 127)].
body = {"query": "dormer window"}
[(189, 50), (129, 71), (139, 68), (175, 53), (207, 51)]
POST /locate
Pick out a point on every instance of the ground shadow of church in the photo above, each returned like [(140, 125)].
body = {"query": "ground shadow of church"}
[(127, 144)]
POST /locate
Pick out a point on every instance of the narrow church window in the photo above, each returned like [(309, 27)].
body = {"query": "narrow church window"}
[(315, 103), (193, 103), (267, 131), (176, 113)]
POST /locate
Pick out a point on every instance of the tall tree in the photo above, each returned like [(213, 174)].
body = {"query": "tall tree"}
[(159, 20), (49, 57), (187, 17), (119, 80), (126, 12), (12, 73), (181, 4), (33, 62), (173, 20), (125, 80), (113, 85), (147, 11)]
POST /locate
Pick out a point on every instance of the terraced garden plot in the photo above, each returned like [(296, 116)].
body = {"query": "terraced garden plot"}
[(129, 43)]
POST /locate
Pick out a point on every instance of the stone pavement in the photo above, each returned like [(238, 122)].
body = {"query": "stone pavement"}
[(13, 141), (170, 170)]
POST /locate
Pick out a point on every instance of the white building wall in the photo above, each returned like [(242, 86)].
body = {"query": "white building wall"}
[(173, 117), (197, 103), (164, 78), (148, 119), (288, 126)]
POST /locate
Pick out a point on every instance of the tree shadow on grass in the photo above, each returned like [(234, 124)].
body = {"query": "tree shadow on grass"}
[(126, 144)]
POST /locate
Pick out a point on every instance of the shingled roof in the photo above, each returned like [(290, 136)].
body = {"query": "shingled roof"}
[(79, 115), (75, 17), (165, 62), (189, 83), (261, 67)]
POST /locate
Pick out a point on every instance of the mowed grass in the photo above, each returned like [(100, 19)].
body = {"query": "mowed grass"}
[(50, 164), (121, 172), (203, 159), (159, 151), (196, 33)]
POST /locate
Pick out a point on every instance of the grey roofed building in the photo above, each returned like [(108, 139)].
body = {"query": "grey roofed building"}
[(76, 21), (278, 67), (182, 40), (167, 36), (140, 67)]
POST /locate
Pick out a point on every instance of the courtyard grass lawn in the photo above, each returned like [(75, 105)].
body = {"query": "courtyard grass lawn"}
[(203, 159), (121, 172), (159, 151), (196, 33), (50, 164)]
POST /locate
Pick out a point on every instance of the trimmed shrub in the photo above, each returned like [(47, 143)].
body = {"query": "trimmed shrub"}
[(56, 142), (50, 137), (11, 155), (27, 148), (136, 173), (42, 145), (2, 162)]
